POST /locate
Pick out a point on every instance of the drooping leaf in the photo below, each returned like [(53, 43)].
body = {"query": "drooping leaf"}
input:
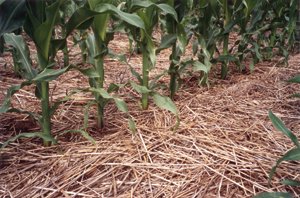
[(112, 88), (279, 125), (164, 102), (136, 74), (139, 88), (132, 126), (121, 105), (166, 42), (84, 134), (102, 92), (79, 18), (131, 19), (41, 135), (12, 15), (198, 66), (10, 92), (167, 9), (89, 72), (50, 74), (22, 55)]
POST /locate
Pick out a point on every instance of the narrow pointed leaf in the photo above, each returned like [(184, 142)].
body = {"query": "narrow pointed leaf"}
[(132, 126), (121, 105), (50, 74), (139, 88), (164, 102), (102, 92), (84, 134), (279, 125), (30, 135), (131, 19)]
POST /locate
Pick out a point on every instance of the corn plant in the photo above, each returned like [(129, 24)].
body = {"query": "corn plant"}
[(207, 30), (97, 47), (39, 25), (149, 12), (271, 26), (176, 36)]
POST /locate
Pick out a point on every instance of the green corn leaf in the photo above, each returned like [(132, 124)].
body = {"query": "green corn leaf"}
[(12, 15), (79, 19), (121, 105), (91, 48), (56, 104), (290, 182), (132, 126), (113, 88), (22, 54), (41, 135), (50, 74), (10, 92), (33, 115), (136, 74), (151, 52), (279, 125), (227, 58), (166, 42), (131, 19), (291, 155), (295, 79), (136, 4), (84, 134), (273, 195), (86, 114), (164, 102), (42, 33), (168, 10), (89, 72), (139, 88), (102, 92), (120, 57), (182, 37), (198, 66)]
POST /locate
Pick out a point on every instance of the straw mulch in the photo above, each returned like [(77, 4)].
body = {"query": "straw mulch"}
[(225, 145)]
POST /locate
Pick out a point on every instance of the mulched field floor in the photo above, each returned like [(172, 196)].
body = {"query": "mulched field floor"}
[(225, 145)]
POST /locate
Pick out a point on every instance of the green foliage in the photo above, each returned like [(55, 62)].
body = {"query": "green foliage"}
[(40, 28)]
